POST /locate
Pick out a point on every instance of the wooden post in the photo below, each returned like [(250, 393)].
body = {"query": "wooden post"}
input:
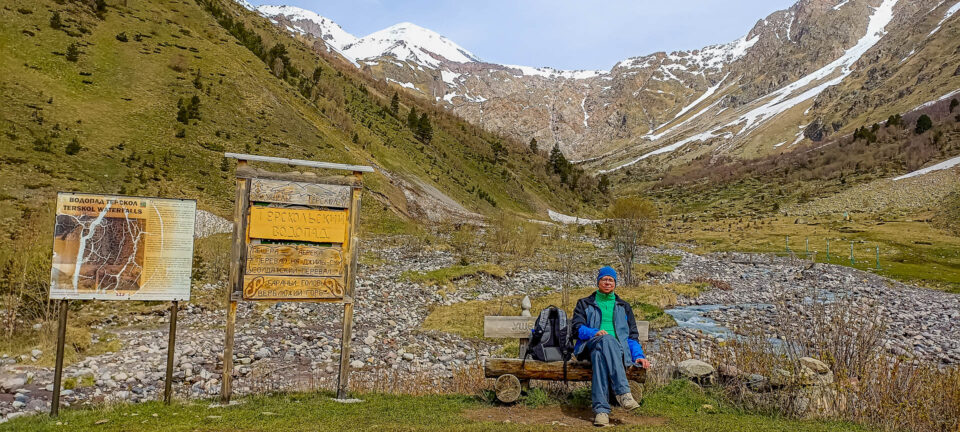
[(171, 344), (58, 370), (351, 246), (852, 262), (525, 306), (241, 202)]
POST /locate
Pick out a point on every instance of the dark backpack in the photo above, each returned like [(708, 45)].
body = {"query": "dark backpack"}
[(550, 340)]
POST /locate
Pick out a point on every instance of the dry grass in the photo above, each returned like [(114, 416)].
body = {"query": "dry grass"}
[(870, 386)]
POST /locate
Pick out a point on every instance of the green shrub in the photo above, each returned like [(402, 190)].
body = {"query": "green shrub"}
[(73, 52), (73, 147)]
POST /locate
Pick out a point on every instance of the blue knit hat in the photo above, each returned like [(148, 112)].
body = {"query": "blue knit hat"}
[(607, 271)]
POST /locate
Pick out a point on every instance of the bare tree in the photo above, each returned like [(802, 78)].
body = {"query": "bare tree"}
[(632, 221)]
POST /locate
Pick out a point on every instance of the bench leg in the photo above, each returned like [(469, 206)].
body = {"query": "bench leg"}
[(507, 388)]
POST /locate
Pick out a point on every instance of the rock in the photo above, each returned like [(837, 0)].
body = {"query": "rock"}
[(12, 383), (814, 364), (694, 368), (408, 356), (37, 326), (728, 370), (120, 377), (36, 353), (356, 364)]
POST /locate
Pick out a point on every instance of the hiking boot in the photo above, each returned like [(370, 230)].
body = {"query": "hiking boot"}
[(627, 401), (602, 419)]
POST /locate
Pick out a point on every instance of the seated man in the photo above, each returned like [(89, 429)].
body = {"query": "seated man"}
[(607, 336)]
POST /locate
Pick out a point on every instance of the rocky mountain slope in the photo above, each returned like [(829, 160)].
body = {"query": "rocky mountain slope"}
[(818, 68)]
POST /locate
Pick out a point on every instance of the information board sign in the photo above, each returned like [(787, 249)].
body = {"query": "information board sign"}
[(110, 247)]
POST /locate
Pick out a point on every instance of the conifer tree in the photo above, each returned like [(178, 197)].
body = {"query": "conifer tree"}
[(533, 145), (424, 129), (73, 52), (412, 120), (55, 22), (395, 104), (923, 124)]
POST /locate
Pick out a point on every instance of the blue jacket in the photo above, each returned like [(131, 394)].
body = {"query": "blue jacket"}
[(586, 324)]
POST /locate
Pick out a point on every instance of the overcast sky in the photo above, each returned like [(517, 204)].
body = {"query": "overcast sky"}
[(565, 34)]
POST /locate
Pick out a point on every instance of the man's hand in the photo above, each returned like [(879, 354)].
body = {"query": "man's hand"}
[(644, 363), (601, 333)]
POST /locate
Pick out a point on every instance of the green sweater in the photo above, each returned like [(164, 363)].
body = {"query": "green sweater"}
[(607, 302)]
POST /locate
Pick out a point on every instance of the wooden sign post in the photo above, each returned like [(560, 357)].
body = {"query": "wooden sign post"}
[(294, 239)]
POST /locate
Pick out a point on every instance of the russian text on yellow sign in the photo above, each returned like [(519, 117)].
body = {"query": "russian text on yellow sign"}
[(320, 226), (258, 287)]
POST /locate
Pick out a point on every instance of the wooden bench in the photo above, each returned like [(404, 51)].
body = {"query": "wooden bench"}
[(513, 374)]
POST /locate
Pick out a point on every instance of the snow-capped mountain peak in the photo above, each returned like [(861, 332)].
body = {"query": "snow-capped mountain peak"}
[(408, 41), (310, 22)]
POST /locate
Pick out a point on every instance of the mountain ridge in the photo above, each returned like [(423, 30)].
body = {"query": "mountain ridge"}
[(629, 109)]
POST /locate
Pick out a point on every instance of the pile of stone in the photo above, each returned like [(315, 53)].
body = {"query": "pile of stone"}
[(809, 388)]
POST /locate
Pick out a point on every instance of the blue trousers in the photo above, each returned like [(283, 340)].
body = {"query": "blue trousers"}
[(606, 357)]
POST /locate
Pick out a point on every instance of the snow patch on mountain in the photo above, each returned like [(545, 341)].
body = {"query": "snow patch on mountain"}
[(570, 220), (246, 5), (950, 12), (783, 99), (710, 91), (947, 164), (330, 31), (555, 73), (584, 109), (403, 84), (410, 42), (449, 77), (667, 149), (840, 5)]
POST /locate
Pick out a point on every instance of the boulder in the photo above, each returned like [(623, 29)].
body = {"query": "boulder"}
[(12, 383), (814, 364), (693, 368)]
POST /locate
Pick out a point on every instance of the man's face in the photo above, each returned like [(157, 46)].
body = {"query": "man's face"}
[(607, 284)]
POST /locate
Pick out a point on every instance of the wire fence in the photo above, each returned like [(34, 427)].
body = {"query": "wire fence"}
[(854, 253)]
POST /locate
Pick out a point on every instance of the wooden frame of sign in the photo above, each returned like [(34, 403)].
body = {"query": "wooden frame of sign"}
[(294, 239)]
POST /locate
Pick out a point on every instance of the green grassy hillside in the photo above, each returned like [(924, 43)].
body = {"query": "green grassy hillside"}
[(92, 102)]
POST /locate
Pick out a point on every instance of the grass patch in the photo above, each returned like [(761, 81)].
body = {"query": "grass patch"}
[(680, 402), (445, 276), (911, 249), (655, 315)]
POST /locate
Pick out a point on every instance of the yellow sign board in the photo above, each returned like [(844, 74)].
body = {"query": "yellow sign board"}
[(318, 226), (267, 287), (294, 260)]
